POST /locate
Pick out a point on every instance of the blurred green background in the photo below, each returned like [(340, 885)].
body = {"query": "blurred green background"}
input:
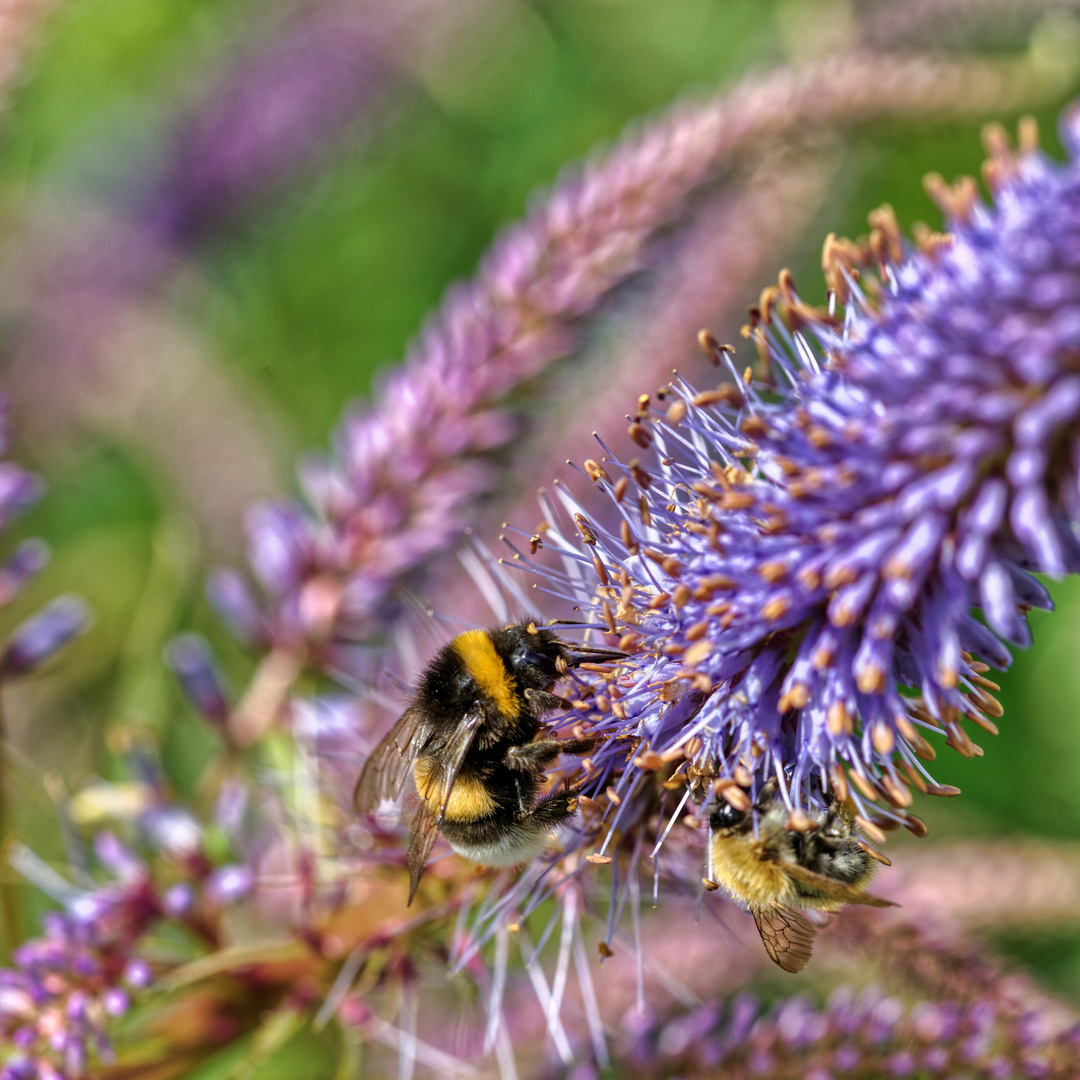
[(244, 333)]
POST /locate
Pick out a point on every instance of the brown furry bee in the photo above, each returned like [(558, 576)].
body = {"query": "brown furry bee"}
[(782, 869), (469, 741)]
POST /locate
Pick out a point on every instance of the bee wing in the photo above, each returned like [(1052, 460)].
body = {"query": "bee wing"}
[(425, 827), (788, 936), (440, 780), (385, 770), (836, 890)]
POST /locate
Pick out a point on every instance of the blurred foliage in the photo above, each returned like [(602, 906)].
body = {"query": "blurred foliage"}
[(307, 294)]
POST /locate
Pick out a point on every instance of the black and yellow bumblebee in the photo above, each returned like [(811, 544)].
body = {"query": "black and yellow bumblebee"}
[(469, 740), (778, 871)]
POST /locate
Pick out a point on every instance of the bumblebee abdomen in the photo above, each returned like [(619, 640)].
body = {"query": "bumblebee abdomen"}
[(469, 798), (844, 861), (496, 842), (741, 869)]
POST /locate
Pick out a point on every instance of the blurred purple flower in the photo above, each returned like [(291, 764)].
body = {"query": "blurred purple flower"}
[(67, 986), (19, 489), (805, 551), (190, 658), (395, 491), (22, 566), (237, 607), (277, 111), (228, 884), (863, 1036), (43, 635)]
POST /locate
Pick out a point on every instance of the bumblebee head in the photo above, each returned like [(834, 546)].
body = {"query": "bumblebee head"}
[(537, 657), (725, 816), (494, 669), (532, 654)]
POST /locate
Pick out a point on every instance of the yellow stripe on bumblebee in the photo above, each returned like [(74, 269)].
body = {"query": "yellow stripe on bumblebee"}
[(486, 666)]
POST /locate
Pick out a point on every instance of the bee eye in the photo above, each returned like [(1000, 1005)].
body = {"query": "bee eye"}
[(527, 659), (725, 816)]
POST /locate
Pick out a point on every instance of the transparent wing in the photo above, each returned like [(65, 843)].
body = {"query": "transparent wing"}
[(436, 788), (385, 771), (434, 791), (835, 890), (788, 936), (425, 827)]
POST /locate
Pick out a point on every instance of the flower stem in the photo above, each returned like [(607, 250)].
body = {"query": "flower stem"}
[(9, 901), (265, 695)]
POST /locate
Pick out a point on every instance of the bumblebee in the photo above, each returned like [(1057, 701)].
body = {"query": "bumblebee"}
[(469, 741), (783, 869)]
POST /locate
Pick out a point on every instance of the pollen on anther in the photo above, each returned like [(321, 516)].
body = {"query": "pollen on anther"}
[(585, 529), (696, 653), (641, 477), (895, 792), (863, 784), (839, 719), (883, 739), (870, 829), (776, 608), (874, 853), (795, 698), (596, 471), (838, 781), (737, 798), (650, 761), (871, 679)]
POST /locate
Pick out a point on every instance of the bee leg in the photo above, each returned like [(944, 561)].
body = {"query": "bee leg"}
[(553, 810), (832, 824), (544, 702), (525, 786), (534, 757), (585, 745)]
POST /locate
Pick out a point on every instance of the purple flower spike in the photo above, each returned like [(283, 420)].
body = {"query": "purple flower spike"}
[(397, 490), (44, 634), (179, 900), (236, 606), (138, 975), (190, 658), (58, 1001), (805, 549), (829, 1046), (19, 490), (25, 563), (228, 885)]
